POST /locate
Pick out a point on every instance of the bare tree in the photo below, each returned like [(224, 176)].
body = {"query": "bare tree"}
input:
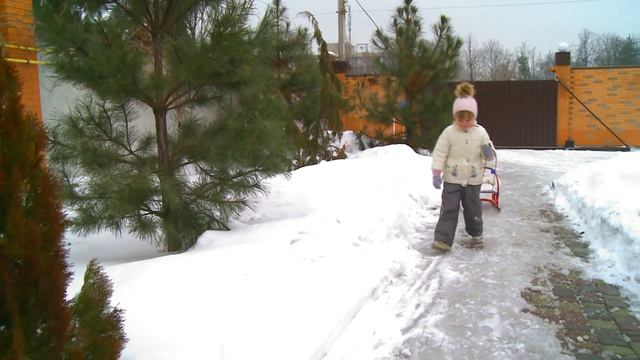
[(498, 63), (543, 66), (609, 50), (471, 59), (493, 62), (587, 49)]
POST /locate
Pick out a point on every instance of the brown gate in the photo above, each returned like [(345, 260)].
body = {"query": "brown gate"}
[(518, 113)]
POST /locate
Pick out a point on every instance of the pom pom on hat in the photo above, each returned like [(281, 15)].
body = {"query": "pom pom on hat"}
[(464, 99)]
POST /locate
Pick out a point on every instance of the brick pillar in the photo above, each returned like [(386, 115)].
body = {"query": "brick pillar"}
[(562, 69), (17, 28)]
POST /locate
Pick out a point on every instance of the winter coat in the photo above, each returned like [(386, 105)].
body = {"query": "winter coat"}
[(458, 154)]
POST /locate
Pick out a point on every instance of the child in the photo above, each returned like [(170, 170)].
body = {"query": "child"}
[(458, 159)]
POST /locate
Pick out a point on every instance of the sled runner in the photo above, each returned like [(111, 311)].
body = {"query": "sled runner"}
[(490, 189)]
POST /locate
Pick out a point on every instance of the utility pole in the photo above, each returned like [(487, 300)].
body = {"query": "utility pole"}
[(341, 19)]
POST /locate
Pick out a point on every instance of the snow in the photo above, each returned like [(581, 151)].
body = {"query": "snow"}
[(333, 264), (603, 201)]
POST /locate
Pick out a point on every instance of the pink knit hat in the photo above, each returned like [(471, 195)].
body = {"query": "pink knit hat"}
[(464, 99)]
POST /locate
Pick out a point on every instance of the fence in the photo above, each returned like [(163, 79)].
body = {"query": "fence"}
[(518, 113)]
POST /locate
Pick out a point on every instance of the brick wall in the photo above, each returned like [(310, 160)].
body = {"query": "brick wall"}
[(17, 28), (612, 93), (356, 89)]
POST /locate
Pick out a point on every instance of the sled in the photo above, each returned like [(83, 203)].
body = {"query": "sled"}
[(490, 188)]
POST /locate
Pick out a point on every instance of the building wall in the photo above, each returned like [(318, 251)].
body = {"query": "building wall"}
[(356, 89), (17, 29), (611, 93), (58, 97)]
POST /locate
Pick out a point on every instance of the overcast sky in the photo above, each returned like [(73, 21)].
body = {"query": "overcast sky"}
[(540, 23)]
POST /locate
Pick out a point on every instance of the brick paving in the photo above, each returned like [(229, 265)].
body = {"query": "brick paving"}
[(592, 317)]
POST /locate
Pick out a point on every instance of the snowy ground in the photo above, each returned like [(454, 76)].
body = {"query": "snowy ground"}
[(334, 264), (603, 201)]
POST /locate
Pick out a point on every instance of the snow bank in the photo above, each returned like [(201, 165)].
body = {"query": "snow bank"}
[(603, 201), (289, 277)]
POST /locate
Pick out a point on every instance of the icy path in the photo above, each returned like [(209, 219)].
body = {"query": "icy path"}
[(467, 304)]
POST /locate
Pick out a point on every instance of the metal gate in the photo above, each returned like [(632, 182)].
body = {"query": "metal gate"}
[(518, 113)]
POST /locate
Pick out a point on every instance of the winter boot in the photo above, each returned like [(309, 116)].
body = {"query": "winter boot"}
[(475, 242), (439, 245)]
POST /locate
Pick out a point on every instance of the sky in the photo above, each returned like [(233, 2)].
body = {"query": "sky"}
[(334, 263), (542, 24)]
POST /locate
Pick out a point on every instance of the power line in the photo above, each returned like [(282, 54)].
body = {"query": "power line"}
[(365, 11), (531, 3)]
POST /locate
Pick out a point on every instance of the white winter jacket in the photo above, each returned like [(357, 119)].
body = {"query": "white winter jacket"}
[(458, 154)]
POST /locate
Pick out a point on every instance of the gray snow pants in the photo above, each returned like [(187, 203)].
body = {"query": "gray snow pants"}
[(452, 196)]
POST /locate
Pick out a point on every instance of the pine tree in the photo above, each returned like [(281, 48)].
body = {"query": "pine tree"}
[(35, 317), (630, 52), (307, 84), (415, 72), (331, 104), (525, 57), (219, 128)]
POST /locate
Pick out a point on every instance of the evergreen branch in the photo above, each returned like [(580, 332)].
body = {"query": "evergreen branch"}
[(220, 224), (171, 5), (107, 138), (53, 141), (132, 15), (201, 193), (439, 34), (66, 178), (168, 101), (237, 175), (126, 129), (140, 215), (112, 139), (78, 197), (188, 96), (186, 163), (110, 122), (103, 32)]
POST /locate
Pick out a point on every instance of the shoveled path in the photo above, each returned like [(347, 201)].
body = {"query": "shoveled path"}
[(522, 296)]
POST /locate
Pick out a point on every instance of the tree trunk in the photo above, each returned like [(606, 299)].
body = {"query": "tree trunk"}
[(162, 138), (166, 178)]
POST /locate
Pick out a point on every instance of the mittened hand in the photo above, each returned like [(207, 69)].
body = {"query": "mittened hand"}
[(487, 152), (437, 178), (437, 181)]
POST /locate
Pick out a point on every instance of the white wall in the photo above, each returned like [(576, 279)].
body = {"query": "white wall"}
[(58, 97)]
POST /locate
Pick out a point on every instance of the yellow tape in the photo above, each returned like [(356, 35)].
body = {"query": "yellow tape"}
[(26, 48), (26, 61)]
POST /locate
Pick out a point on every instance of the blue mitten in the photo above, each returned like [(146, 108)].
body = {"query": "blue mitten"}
[(487, 152), (437, 181)]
